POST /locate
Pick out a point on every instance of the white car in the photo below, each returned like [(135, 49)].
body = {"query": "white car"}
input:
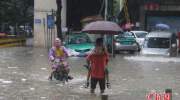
[(160, 43), (140, 36)]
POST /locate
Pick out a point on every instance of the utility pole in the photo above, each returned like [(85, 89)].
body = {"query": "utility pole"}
[(105, 16), (58, 18), (106, 13), (106, 10)]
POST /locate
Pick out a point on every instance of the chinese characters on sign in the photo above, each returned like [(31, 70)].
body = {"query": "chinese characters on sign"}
[(159, 96)]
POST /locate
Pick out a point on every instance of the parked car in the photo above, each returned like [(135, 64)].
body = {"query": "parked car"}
[(125, 42), (140, 36), (78, 44), (160, 43)]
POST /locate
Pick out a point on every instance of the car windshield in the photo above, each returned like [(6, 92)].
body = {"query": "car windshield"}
[(124, 35), (141, 34), (79, 39), (157, 43), (128, 34)]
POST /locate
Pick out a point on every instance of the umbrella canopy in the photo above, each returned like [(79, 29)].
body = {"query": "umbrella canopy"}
[(102, 27), (92, 18), (162, 26)]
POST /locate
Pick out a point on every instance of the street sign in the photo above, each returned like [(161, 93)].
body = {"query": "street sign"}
[(37, 21), (50, 21)]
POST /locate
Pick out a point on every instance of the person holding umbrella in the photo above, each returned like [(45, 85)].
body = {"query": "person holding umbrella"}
[(103, 28), (98, 60)]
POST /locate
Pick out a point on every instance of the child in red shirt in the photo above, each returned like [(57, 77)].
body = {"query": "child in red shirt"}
[(98, 60)]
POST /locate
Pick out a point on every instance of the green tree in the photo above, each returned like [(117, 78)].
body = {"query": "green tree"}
[(16, 12)]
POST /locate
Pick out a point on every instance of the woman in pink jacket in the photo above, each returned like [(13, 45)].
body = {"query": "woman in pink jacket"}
[(58, 52)]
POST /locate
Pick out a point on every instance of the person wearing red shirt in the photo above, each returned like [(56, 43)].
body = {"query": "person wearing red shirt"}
[(98, 60)]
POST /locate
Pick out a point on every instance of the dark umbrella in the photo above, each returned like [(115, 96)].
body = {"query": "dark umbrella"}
[(103, 27)]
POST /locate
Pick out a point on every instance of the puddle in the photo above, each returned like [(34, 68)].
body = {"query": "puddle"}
[(42, 55), (2, 98), (23, 79), (32, 89), (7, 82), (1, 80), (124, 79), (43, 68), (43, 97), (12, 67), (157, 69)]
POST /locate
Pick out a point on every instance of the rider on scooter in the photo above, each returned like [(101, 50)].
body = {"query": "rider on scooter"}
[(58, 52)]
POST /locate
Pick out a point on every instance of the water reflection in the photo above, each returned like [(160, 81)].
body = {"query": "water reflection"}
[(24, 72)]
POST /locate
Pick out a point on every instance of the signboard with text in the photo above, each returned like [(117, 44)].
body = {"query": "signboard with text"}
[(37, 21), (50, 21)]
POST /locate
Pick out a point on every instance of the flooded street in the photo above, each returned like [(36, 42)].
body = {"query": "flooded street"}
[(24, 75)]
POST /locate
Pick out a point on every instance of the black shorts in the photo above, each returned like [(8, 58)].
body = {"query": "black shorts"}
[(94, 82)]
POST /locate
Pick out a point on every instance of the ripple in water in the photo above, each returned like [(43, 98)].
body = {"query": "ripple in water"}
[(152, 59), (5, 81)]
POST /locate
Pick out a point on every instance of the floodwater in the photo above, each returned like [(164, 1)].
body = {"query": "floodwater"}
[(24, 75)]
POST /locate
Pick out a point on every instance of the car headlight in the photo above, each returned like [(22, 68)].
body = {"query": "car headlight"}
[(117, 44), (72, 52), (134, 44)]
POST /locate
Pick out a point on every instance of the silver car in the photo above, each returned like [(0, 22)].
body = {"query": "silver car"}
[(160, 43), (139, 36), (125, 42)]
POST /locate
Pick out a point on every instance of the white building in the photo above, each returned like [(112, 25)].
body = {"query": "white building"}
[(42, 8)]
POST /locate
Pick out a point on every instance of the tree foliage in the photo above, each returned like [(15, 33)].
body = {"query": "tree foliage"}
[(16, 12)]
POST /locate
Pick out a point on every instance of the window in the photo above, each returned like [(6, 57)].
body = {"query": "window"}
[(157, 43), (141, 35), (78, 39)]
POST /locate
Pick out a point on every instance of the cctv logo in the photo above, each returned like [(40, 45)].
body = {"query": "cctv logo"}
[(159, 96)]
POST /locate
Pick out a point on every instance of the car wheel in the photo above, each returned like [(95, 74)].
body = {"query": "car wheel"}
[(173, 53), (132, 52), (139, 47), (117, 51)]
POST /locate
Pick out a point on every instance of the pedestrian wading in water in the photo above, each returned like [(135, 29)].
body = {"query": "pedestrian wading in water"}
[(97, 62)]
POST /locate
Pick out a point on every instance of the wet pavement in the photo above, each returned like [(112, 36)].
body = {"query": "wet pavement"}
[(24, 72)]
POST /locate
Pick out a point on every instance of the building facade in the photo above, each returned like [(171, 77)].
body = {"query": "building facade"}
[(73, 12), (44, 17), (146, 13), (152, 12)]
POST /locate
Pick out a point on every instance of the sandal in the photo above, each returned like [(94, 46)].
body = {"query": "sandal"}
[(87, 85), (108, 85)]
